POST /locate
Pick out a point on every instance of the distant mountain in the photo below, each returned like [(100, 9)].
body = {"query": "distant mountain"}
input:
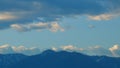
[(95, 50), (63, 59)]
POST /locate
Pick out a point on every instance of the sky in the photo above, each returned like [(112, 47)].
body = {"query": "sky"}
[(57, 23)]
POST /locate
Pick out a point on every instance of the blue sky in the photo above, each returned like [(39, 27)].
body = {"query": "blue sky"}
[(104, 33), (48, 23)]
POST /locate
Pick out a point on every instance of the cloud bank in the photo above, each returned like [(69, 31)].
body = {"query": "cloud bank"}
[(113, 51), (7, 49), (24, 12)]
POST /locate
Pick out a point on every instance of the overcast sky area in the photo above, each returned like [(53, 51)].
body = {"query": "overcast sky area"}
[(57, 23)]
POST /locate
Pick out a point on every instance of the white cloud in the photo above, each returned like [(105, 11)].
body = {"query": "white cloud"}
[(19, 48), (69, 47), (98, 50), (4, 46), (24, 12), (95, 50), (54, 49), (115, 50), (54, 27), (102, 17), (115, 47), (19, 27), (7, 16), (26, 50), (6, 49)]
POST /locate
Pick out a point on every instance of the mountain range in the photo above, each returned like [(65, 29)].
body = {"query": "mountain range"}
[(59, 59), (113, 51)]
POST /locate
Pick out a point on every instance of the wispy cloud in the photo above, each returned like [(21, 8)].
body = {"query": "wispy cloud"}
[(54, 27), (102, 17), (7, 16), (25, 12)]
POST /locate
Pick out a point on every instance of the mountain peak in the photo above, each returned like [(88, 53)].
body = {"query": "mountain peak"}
[(49, 51)]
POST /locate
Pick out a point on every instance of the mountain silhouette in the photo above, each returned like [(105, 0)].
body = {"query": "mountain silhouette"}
[(64, 59), (10, 59)]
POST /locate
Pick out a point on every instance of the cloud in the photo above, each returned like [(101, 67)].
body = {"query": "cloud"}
[(26, 50), (115, 50), (7, 49), (54, 49), (93, 51), (54, 27), (98, 50), (7, 16), (102, 17), (69, 47), (25, 12)]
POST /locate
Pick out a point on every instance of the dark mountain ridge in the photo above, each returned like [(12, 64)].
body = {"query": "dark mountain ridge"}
[(63, 59), (10, 59)]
